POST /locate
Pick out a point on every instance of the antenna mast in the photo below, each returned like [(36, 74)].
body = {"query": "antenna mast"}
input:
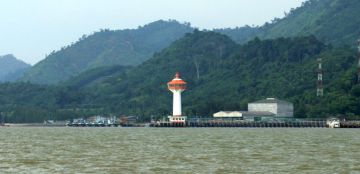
[(358, 74), (319, 89)]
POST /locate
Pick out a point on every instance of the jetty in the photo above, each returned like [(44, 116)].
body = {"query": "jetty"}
[(79, 124), (255, 124)]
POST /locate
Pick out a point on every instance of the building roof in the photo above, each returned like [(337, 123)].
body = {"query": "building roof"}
[(177, 80), (271, 100), (176, 84), (231, 112), (243, 113), (228, 114)]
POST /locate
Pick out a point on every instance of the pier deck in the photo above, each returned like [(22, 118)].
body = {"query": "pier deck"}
[(295, 124)]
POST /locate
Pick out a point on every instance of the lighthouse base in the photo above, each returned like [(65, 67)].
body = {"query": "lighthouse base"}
[(177, 119)]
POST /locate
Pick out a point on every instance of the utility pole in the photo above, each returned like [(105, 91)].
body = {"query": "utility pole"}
[(358, 73), (319, 87)]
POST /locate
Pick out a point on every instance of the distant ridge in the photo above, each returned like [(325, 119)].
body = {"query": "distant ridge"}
[(330, 21), (106, 48), (333, 22), (11, 68)]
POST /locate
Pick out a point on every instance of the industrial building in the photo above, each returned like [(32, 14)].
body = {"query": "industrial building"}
[(269, 108), (278, 107), (244, 115)]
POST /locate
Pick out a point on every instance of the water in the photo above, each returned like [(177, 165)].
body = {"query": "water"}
[(179, 150)]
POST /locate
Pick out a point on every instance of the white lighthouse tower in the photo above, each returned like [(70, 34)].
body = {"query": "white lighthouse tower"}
[(177, 86)]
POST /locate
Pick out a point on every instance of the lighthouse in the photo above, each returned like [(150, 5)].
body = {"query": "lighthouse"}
[(177, 86)]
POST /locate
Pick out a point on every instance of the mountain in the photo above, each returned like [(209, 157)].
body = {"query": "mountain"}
[(220, 75), (11, 68), (106, 48), (116, 72), (331, 21), (223, 75)]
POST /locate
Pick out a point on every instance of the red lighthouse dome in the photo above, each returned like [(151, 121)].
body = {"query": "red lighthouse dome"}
[(177, 83)]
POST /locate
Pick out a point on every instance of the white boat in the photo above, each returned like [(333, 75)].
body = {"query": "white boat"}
[(333, 123)]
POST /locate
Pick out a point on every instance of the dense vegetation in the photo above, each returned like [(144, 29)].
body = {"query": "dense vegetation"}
[(221, 75), (110, 72), (240, 34), (327, 20), (225, 76), (106, 48), (11, 68), (95, 76)]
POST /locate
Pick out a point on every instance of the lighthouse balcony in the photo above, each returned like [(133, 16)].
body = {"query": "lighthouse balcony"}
[(176, 86)]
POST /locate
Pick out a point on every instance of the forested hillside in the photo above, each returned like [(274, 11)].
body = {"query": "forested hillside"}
[(221, 75), (95, 76), (240, 34), (333, 22), (106, 48), (224, 76)]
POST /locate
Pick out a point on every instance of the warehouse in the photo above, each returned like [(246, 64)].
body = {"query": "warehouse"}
[(269, 108), (244, 115), (278, 107)]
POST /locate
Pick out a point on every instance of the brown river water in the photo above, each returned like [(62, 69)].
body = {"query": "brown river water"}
[(179, 150)]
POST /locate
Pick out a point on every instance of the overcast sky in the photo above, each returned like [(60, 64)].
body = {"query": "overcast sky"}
[(30, 29)]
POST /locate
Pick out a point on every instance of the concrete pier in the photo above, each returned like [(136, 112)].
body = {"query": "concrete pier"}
[(256, 124), (350, 124)]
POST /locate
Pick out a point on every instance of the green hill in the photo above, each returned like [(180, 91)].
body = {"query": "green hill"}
[(106, 48), (331, 21), (334, 22), (221, 75)]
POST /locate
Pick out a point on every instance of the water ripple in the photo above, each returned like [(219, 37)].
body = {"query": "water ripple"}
[(188, 150)]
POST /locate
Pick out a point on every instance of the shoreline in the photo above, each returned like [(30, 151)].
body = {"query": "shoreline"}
[(31, 125), (343, 124)]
